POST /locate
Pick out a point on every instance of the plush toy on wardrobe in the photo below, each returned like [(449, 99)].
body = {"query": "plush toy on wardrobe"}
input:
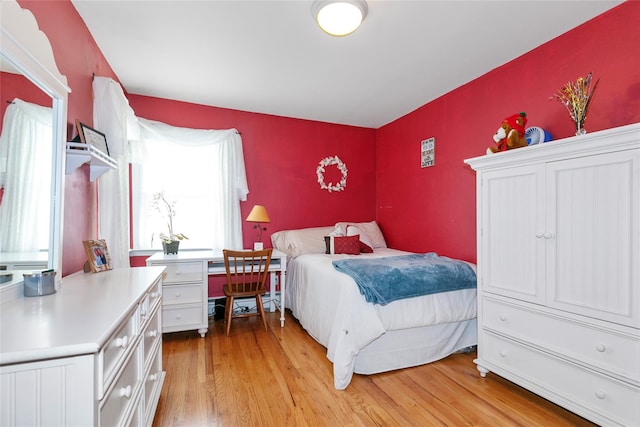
[(510, 134)]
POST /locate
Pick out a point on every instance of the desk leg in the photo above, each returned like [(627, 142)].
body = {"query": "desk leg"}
[(283, 289), (272, 291)]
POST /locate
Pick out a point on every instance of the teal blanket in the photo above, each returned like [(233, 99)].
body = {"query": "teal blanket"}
[(383, 280)]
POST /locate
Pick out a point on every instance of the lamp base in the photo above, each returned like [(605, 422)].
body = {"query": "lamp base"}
[(258, 246)]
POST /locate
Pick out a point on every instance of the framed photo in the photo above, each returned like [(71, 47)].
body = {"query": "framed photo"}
[(92, 137), (97, 255), (428, 152)]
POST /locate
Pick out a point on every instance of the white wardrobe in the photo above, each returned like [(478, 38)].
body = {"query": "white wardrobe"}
[(559, 271)]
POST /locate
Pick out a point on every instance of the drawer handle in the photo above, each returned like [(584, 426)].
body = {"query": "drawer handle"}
[(178, 295), (125, 392), (153, 333), (155, 294), (601, 348), (600, 394), (122, 342), (143, 313), (503, 353), (178, 316), (153, 377), (503, 317), (178, 272)]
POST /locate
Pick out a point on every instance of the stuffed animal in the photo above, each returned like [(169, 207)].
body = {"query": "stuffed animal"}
[(510, 134)]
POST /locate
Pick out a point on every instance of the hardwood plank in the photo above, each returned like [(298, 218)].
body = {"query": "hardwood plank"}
[(283, 377)]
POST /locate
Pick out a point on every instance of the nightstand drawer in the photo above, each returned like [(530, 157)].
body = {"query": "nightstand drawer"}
[(182, 272), (599, 347)]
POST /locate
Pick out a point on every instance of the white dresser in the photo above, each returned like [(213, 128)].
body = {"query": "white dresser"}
[(559, 271), (88, 355)]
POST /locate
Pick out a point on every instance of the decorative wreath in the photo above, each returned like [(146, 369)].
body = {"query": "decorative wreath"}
[(330, 161)]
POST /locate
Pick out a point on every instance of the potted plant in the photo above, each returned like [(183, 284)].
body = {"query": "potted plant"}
[(170, 241)]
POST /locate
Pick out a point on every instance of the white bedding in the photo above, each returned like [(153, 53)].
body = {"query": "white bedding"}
[(329, 306)]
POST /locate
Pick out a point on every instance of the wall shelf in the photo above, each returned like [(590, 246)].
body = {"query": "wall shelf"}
[(79, 154)]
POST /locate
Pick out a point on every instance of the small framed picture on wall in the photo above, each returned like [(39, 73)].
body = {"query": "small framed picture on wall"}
[(428, 152)]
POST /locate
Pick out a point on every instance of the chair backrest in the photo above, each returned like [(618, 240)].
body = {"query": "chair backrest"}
[(247, 270)]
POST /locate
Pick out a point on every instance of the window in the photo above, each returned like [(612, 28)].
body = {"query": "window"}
[(202, 172)]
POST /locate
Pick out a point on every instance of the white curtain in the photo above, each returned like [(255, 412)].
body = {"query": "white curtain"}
[(199, 164), (113, 116), (26, 149)]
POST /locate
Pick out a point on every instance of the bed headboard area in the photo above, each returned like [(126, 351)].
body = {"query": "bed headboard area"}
[(311, 240), (301, 241)]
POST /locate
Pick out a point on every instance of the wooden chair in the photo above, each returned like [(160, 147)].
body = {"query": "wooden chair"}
[(246, 276)]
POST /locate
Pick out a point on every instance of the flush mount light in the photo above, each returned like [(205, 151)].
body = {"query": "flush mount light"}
[(339, 17)]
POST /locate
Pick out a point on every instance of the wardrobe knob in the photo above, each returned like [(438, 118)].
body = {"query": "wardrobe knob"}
[(548, 235), (539, 234)]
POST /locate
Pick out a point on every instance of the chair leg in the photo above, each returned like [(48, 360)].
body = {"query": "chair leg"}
[(229, 313), (261, 309)]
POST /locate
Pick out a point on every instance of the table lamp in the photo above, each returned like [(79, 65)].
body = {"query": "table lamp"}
[(258, 215)]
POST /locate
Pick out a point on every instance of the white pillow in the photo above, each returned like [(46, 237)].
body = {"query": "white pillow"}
[(353, 230), (371, 229), (301, 241)]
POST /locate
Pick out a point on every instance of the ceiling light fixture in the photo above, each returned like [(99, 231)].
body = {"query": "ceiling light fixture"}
[(339, 17)]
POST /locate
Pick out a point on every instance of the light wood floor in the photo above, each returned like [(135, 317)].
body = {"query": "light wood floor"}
[(282, 377)]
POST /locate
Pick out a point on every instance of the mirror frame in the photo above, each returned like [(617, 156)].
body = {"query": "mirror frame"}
[(25, 46)]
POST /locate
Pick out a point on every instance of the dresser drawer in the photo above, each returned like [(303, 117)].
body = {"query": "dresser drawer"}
[(115, 349), (605, 349), (182, 294), (182, 272), (592, 392), (154, 295), (152, 386), (151, 335), (181, 316), (118, 401)]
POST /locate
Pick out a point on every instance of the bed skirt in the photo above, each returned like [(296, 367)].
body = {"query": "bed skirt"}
[(417, 346)]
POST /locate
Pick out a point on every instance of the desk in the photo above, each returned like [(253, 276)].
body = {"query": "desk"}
[(185, 288)]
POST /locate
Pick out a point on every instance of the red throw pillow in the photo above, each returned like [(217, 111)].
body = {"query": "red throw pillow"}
[(343, 245)]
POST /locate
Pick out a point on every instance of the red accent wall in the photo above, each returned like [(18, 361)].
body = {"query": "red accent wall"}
[(433, 209)]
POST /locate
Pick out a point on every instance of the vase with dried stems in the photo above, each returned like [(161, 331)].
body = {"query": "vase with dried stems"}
[(576, 97)]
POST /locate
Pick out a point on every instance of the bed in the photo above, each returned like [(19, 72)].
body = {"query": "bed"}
[(363, 337)]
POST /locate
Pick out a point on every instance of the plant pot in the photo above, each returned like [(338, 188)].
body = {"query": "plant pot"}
[(171, 247)]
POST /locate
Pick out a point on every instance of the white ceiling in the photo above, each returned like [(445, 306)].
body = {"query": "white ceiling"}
[(270, 57)]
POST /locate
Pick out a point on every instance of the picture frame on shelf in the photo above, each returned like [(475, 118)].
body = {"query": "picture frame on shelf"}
[(93, 137), (98, 258)]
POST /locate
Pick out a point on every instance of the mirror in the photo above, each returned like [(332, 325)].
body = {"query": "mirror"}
[(27, 50)]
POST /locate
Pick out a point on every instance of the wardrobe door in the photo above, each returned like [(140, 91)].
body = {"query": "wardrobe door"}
[(594, 248), (511, 256)]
